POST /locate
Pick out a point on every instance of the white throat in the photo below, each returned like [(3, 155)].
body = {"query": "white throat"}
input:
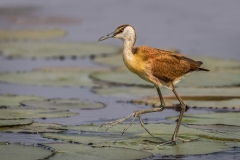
[(128, 36)]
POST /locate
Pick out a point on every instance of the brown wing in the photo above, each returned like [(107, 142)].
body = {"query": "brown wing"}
[(167, 65)]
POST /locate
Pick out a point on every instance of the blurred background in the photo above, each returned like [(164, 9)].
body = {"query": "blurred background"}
[(194, 27)]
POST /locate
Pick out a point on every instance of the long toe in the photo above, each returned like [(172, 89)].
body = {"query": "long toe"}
[(170, 143)]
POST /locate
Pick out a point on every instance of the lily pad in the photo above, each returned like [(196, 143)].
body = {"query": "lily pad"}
[(120, 78), (7, 34), (62, 104), (193, 97), (72, 156), (21, 152), (13, 100), (53, 76), (199, 79), (40, 20), (53, 49), (7, 123), (230, 118), (212, 63), (31, 113), (161, 131), (216, 127), (215, 63), (88, 152), (33, 128), (125, 91), (137, 138)]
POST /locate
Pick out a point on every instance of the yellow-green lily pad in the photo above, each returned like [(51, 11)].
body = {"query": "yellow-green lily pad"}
[(15, 113), (23, 34), (37, 20), (13, 122), (196, 97), (216, 63), (53, 49), (51, 76), (22, 152), (230, 118), (33, 128), (137, 138), (13, 100), (62, 104), (71, 151), (199, 79), (212, 63)]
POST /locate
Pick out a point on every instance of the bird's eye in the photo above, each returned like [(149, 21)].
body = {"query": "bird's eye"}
[(121, 30)]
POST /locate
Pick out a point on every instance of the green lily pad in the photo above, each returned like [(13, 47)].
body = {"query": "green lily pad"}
[(125, 91), (72, 156), (212, 63), (13, 100), (199, 79), (215, 63), (7, 123), (120, 78), (37, 20), (137, 138), (162, 131), (230, 118), (33, 128), (61, 76), (216, 127), (196, 97), (62, 104), (21, 152), (88, 152), (31, 113), (53, 49), (112, 61), (7, 34)]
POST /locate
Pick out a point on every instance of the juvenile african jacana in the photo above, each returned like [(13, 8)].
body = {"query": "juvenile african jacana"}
[(159, 67)]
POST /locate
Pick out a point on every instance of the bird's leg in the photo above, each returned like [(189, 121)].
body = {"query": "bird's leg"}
[(135, 114), (175, 134), (160, 97)]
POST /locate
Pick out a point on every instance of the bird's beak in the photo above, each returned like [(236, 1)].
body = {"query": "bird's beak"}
[(110, 35)]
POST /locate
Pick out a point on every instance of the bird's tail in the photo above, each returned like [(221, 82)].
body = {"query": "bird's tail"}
[(202, 69)]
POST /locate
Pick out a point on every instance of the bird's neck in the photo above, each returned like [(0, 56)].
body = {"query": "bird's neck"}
[(128, 46)]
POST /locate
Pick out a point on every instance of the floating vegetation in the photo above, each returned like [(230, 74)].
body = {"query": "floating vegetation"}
[(231, 118), (13, 100), (22, 152), (13, 122), (52, 76), (138, 139), (8, 34), (221, 78), (61, 104), (15, 113), (78, 151), (33, 128), (56, 49)]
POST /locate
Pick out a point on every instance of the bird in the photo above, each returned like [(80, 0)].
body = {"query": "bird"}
[(160, 67)]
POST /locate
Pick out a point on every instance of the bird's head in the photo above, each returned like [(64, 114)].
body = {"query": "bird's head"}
[(122, 32)]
